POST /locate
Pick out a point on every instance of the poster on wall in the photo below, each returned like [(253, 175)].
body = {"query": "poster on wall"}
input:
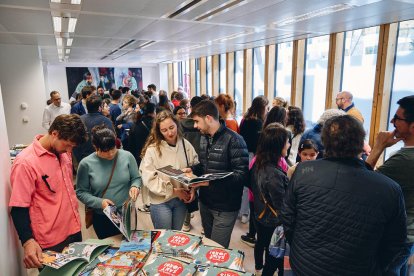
[(107, 77)]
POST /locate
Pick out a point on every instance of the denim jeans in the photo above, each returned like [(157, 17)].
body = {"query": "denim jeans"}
[(218, 225), (168, 215), (404, 267)]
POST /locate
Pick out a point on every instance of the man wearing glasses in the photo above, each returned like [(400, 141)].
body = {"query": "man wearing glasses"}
[(400, 166), (344, 101)]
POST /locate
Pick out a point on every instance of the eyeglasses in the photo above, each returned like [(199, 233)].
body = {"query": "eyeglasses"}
[(396, 117)]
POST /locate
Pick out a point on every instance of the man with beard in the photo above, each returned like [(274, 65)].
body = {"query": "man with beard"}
[(400, 165)]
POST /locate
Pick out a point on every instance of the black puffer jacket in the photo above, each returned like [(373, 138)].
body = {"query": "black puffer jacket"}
[(226, 151), (269, 182), (343, 219)]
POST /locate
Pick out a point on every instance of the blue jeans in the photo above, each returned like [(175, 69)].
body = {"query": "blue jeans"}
[(404, 267), (168, 215), (217, 225)]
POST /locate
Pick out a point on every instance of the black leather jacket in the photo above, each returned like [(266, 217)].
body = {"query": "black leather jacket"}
[(226, 151)]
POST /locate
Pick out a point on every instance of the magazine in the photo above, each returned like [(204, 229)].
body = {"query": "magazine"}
[(73, 258), (220, 271), (189, 179), (107, 254), (124, 219), (125, 263), (162, 266), (220, 257), (176, 244), (140, 240)]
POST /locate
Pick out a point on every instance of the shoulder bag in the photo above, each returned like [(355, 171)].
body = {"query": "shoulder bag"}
[(89, 210)]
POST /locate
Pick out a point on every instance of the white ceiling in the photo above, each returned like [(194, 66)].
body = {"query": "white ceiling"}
[(105, 25)]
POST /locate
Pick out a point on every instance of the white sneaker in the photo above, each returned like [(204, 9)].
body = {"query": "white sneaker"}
[(244, 219), (186, 227)]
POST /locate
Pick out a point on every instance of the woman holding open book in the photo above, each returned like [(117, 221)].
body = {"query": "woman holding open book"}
[(166, 146), (108, 176)]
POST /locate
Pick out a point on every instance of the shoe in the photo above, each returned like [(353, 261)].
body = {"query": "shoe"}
[(192, 215), (258, 272), (144, 209), (244, 219), (186, 227), (250, 241)]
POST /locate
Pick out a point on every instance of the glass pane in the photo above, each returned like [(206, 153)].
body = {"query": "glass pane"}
[(186, 77), (316, 71), (197, 72), (403, 84), (180, 73), (209, 77), (223, 75), (358, 75), (238, 79), (258, 71), (283, 74)]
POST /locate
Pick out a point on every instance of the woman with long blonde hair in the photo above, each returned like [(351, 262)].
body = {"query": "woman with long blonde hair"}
[(166, 146)]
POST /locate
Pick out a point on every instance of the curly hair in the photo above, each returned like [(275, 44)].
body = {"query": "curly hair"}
[(69, 127), (155, 138), (343, 136), (272, 140), (131, 100), (295, 119)]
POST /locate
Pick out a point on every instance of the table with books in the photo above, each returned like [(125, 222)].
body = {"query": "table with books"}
[(146, 252)]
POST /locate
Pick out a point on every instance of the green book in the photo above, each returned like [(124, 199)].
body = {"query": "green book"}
[(220, 257), (162, 266), (73, 258)]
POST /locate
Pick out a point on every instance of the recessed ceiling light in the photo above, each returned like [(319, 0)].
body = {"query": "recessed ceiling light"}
[(313, 14), (57, 24), (55, 1), (72, 25), (75, 2), (69, 42), (59, 41), (67, 51)]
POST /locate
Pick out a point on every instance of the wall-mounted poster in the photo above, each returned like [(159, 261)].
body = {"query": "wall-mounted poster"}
[(107, 77)]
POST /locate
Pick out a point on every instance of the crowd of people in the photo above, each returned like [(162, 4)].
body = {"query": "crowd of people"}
[(341, 213)]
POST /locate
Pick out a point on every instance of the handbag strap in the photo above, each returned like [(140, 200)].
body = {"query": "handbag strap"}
[(112, 173), (267, 205), (185, 152)]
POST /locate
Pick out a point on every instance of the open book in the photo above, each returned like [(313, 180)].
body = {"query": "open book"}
[(73, 258), (188, 178), (125, 219)]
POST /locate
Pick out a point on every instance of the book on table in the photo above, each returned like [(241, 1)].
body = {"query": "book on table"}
[(107, 254), (190, 179), (220, 271), (73, 258), (221, 257), (124, 263), (161, 265), (125, 219), (176, 244)]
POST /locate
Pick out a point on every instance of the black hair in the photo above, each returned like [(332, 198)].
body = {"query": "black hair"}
[(69, 127), (125, 90), (93, 103), (407, 103), (295, 119), (178, 108), (195, 100), (308, 144), (204, 108), (257, 109), (86, 91), (276, 115), (116, 94), (152, 86), (103, 138), (343, 136)]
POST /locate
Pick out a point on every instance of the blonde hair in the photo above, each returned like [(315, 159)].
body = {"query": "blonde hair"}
[(155, 138), (279, 101), (130, 100)]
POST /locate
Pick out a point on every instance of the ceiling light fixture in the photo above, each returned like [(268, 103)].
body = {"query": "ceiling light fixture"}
[(69, 42), (55, 1), (75, 2), (59, 41), (72, 25), (60, 51), (67, 51), (313, 14), (57, 24)]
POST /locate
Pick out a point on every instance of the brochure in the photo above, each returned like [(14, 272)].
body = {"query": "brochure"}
[(220, 257), (125, 219), (107, 254), (176, 244), (140, 240), (125, 263), (73, 258), (189, 179), (162, 266), (219, 271)]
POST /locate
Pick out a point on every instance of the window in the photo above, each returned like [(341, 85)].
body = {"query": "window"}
[(258, 71), (359, 64), (185, 77), (283, 82), (403, 84), (316, 69), (238, 79), (209, 83), (197, 76), (223, 74)]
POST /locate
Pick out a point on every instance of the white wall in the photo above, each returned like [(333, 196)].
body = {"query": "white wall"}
[(11, 257), (163, 73), (21, 77)]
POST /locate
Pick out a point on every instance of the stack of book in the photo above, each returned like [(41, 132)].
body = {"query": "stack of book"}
[(161, 265), (219, 257), (176, 244)]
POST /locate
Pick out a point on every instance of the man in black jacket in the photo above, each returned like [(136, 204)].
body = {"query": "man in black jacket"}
[(339, 216), (221, 150)]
